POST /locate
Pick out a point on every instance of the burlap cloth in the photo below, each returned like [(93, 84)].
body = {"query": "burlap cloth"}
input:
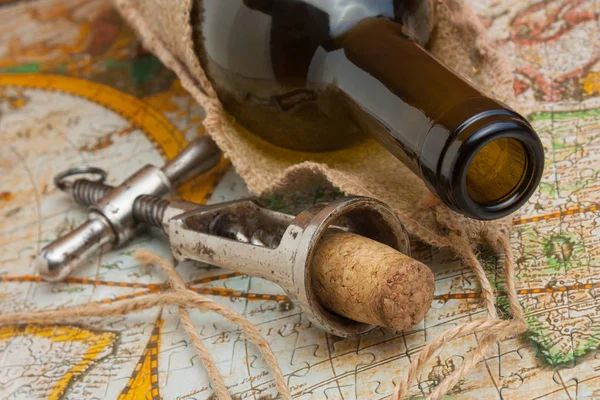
[(458, 39)]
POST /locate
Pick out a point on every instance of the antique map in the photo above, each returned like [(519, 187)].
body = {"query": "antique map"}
[(76, 87)]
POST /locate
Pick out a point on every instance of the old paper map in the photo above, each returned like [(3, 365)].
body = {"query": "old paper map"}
[(76, 87)]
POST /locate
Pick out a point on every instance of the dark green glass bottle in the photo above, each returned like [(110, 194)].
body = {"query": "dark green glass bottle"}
[(320, 75)]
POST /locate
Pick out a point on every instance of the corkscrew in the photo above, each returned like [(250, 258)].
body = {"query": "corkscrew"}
[(300, 253)]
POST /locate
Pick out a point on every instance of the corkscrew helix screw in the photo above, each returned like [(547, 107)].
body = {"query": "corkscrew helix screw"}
[(111, 221)]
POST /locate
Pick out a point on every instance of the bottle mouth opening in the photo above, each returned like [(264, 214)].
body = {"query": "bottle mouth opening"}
[(497, 173), (491, 166), (500, 175)]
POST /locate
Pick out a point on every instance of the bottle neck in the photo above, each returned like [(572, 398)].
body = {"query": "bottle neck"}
[(384, 49), (480, 157), (400, 93)]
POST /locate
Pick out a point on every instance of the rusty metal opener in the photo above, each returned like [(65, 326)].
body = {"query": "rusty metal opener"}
[(238, 235)]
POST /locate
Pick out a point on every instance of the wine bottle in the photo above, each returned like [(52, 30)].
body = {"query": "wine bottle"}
[(321, 75)]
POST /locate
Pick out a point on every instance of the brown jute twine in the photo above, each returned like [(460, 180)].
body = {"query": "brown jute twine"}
[(459, 238), (178, 295)]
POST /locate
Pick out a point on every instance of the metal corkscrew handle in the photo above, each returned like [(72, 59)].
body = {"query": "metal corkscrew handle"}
[(111, 221)]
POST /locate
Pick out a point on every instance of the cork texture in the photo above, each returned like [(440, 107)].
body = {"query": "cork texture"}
[(367, 281)]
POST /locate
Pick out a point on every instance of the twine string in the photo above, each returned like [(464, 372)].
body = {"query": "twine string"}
[(179, 296)]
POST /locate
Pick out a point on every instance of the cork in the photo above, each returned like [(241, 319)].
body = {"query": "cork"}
[(369, 282)]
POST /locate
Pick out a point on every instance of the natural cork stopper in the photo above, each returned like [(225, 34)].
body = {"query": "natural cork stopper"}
[(367, 281)]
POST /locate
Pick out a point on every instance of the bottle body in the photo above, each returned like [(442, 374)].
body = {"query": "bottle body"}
[(319, 75)]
